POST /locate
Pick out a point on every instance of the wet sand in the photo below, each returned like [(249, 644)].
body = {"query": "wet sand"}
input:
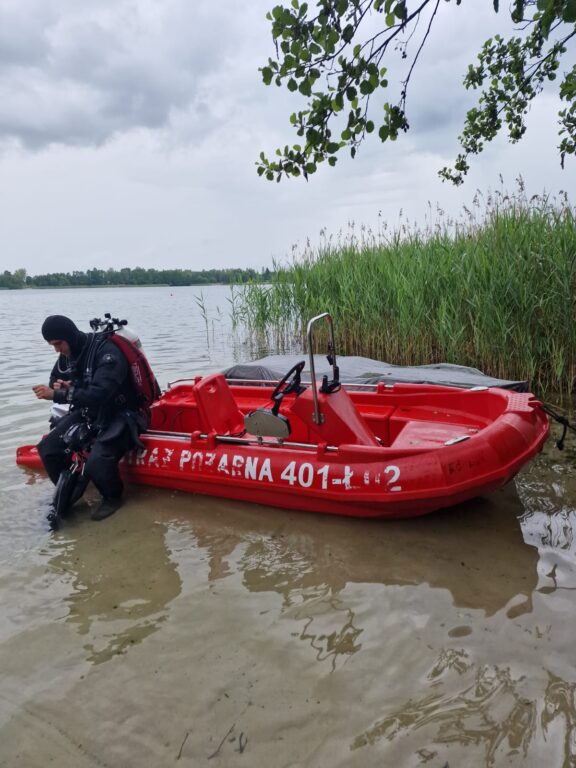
[(192, 631)]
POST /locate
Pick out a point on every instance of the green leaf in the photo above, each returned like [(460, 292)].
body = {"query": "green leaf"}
[(292, 85), (400, 10), (569, 12), (348, 33)]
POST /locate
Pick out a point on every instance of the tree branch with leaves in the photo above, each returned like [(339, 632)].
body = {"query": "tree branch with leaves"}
[(335, 56)]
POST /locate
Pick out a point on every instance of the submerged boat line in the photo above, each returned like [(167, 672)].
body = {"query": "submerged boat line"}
[(387, 450)]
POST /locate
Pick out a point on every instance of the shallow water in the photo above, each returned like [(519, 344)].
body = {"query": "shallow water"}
[(190, 631)]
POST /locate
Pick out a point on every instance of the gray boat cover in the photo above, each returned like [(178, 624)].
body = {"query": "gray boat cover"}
[(363, 370)]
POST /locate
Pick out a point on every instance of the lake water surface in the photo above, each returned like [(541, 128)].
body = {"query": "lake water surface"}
[(189, 631)]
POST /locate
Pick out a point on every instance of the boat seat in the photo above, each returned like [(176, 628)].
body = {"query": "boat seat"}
[(342, 421), (217, 407)]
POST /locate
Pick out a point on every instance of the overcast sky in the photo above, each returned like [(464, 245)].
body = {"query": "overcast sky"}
[(129, 131)]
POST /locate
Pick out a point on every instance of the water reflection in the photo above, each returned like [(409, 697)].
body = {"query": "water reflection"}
[(558, 719), (475, 553), (490, 711), (548, 494), (121, 580)]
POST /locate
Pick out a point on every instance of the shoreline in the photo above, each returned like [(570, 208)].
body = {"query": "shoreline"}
[(121, 285)]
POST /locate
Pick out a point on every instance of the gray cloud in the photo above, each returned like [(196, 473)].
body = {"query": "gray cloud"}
[(79, 76)]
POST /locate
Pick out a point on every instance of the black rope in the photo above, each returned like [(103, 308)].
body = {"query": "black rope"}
[(561, 420)]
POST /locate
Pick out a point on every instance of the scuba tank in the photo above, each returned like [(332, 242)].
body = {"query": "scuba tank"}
[(113, 325), (132, 336)]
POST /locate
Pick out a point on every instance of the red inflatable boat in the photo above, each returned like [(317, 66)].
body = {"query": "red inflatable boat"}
[(368, 451)]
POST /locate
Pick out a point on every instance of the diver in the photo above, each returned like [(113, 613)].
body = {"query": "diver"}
[(92, 376)]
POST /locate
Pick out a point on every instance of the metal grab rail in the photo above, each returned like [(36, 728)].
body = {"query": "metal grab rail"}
[(318, 418), (187, 437)]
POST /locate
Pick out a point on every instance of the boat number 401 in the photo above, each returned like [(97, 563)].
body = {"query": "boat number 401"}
[(303, 475)]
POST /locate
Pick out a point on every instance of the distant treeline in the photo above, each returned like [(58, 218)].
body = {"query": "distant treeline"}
[(127, 276)]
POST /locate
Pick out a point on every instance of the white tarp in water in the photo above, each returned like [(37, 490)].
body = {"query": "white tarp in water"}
[(363, 370)]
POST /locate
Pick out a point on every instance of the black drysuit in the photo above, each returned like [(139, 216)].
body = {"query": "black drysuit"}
[(106, 399)]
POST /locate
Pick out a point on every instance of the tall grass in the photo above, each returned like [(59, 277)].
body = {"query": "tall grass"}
[(494, 289)]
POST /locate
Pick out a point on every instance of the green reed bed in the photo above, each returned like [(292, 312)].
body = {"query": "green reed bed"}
[(495, 290)]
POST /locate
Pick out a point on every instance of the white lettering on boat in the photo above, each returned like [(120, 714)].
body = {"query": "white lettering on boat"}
[(303, 474), (289, 473), (250, 470), (323, 472), (185, 457), (237, 464), (153, 460), (345, 481), (393, 470), (266, 471)]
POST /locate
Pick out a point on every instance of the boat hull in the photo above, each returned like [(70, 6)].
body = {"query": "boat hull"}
[(407, 478)]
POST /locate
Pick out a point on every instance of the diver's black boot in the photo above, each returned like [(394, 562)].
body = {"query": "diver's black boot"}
[(51, 515), (106, 508)]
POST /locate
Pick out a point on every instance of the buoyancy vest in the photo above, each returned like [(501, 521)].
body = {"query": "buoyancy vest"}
[(141, 374)]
